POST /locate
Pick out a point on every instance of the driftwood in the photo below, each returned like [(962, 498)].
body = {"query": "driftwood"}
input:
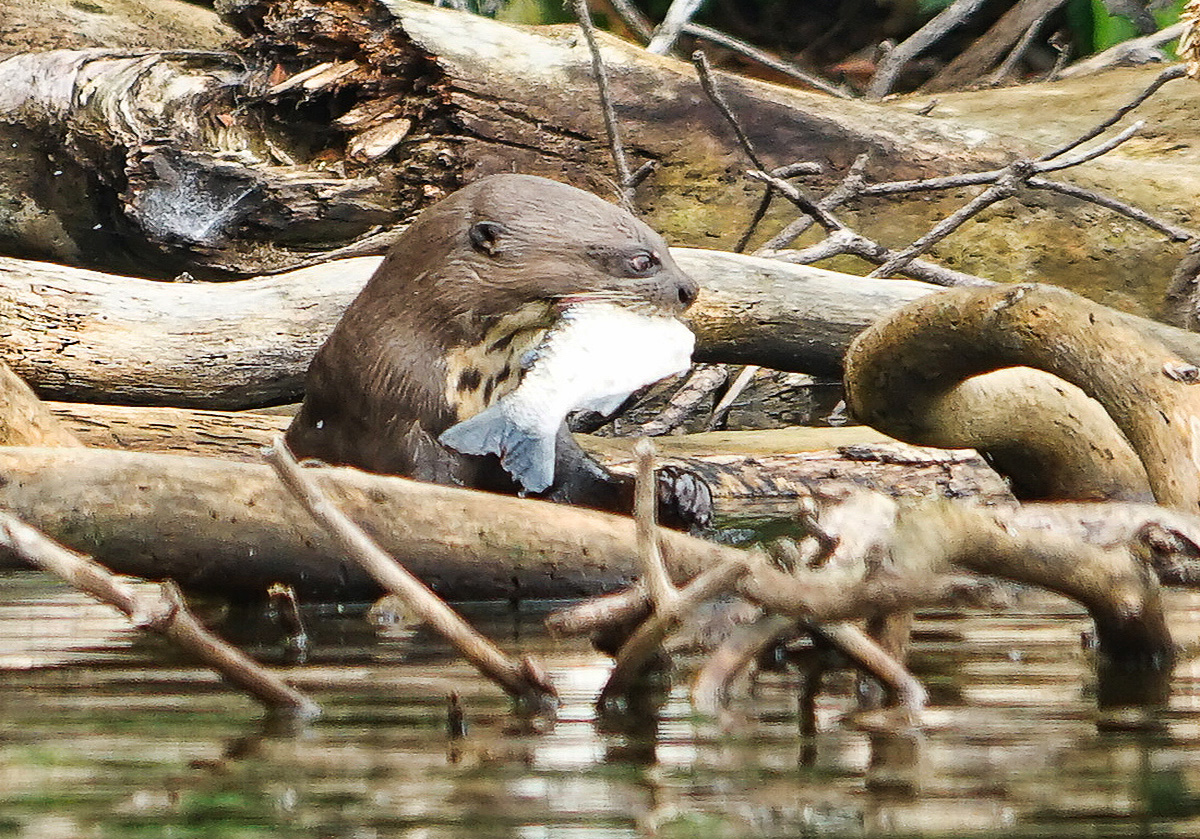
[(524, 680), (201, 523), (417, 112), (85, 336), (222, 182), (899, 368), (739, 466), (81, 335), (166, 614)]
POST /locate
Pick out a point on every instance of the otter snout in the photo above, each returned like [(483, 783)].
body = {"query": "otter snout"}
[(674, 292)]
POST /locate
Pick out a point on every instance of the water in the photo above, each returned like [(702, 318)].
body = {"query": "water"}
[(104, 733)]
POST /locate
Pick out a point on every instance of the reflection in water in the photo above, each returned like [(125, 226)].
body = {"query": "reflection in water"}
[(105, 733)]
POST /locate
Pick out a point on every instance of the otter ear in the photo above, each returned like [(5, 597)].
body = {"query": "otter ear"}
[(485, 236)]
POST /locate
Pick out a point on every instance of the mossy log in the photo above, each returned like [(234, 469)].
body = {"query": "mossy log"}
[(331, 123)]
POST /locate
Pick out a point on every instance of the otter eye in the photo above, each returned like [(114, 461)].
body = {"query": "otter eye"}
[(643, 264)]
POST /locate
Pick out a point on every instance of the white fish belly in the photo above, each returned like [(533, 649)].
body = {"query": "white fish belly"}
[(594, 358)]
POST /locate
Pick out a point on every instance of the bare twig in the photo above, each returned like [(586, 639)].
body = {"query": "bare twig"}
[(1022, 46), (1168, 75), (616, 147), (704, 71), (645, 503), (710, 689), (633, 18), (765, 59), (1177, 233), (703, 380), (518, 678), (667, 33), (1005, 187), (847, 188), (890, 65), (866, 654), (639, 651), (735, 390), (167, 615)]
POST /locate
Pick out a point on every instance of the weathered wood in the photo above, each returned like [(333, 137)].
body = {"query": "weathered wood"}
[(85, 336), (757, 467), (233, 528), (24, 419), (902, 366), (81, 335)]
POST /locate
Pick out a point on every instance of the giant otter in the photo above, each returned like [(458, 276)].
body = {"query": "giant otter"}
[(439, 332)]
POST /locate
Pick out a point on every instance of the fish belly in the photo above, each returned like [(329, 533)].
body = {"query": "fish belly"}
[(594, 358)]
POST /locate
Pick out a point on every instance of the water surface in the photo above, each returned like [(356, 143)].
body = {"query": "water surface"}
[(105, 733)]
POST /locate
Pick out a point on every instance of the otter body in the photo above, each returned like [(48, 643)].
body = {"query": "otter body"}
[(439, 332)]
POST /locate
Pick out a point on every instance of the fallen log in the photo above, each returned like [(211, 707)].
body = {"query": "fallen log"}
[(79, 335), (760, 468), (415, 100), (234, 528)]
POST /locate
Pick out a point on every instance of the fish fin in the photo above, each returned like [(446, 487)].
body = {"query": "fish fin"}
[(529, 458)]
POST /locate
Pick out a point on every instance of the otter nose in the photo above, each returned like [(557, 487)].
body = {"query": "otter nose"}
[(687, 291)]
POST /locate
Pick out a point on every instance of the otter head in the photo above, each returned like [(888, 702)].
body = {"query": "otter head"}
[(478, 278), (506, 241)]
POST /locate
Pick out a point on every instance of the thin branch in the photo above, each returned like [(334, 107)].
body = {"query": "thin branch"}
[(703, 380), (1047, 164), (640, 650), (704, 71), (849, 187), (645, 503), (765, 59), (1178, 234), (798, 197), (1022, 46), (1170, 74), (890, 65), (633, 18), (1005, 188), (166, 614), (667, 33), (870, 657), (624, 177), (518, 678), (735, 390), (735, 656)]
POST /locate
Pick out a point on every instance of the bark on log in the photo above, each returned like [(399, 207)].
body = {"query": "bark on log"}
[(408, 105), (901, 367), (80, 335)]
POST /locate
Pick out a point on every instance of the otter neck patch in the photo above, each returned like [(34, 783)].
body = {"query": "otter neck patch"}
[(479, 374)]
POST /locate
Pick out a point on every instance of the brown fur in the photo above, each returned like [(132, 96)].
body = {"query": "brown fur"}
[(439, 331)]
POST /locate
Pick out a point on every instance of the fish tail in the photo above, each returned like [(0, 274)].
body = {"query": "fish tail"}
[(529, 458)]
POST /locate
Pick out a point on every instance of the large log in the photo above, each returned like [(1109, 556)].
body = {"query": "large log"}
[(412, 100), (80, 335)]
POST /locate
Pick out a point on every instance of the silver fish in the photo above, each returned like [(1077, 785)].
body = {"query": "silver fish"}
[(596, 354)]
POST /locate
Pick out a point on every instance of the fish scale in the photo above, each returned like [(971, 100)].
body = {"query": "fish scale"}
[(594, 357)]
